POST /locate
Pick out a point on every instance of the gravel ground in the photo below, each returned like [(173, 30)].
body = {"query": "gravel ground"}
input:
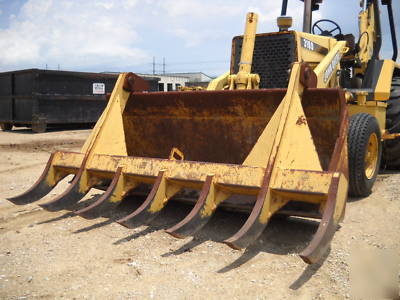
[(60, 255)]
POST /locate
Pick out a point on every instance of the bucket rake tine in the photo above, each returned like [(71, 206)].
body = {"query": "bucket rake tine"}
[(40, 189), (194, 221), (321, 240), (251, 230), (102, 203), (326, 229), (70, 196), (154, 203)]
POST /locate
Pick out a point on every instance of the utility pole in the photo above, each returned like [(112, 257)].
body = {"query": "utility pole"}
[(154, 65), (163, 65)]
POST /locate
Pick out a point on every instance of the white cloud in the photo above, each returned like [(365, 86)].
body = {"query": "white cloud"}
[(84, 34), (121, 34), (197, 22), (74, 34), (200, 9), (106, 5)]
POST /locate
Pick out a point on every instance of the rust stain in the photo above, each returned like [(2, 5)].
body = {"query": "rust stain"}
[(307, 76), (134, 83), (301, 120), (251, 17), (208, 126)]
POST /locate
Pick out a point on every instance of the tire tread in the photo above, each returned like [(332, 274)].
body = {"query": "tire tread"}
[(391, 152), (360, 128)]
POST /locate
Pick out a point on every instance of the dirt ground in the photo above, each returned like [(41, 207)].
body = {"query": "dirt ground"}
[(59, 255)]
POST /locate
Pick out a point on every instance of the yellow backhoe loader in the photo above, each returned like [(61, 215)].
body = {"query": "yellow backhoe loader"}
[(299, 121)]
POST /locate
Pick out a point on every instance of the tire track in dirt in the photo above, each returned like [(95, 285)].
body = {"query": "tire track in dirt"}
[(20, 219), (13, 169), (42, 145)]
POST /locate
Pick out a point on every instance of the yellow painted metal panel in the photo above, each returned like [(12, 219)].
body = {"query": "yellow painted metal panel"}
[(308, 54), (379, 112), (382, 90), (218, 83), (326, 70), (180, 170), (303, 181)]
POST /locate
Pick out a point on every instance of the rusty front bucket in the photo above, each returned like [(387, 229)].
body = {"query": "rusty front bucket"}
[(283, 146)]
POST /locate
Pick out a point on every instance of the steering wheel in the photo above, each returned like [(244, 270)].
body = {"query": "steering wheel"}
[(326, 32)]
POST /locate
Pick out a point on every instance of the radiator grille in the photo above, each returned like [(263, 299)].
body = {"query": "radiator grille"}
[(273, 55)]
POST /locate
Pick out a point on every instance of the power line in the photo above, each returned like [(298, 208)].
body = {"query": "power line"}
[(199, 62), (179, 66), (154, 63)]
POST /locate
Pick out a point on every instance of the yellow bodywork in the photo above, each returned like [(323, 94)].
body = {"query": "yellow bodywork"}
[(284, 138), (283, 165), (273, 140), (368, 36), (384, 84), (274, 132), (244, 79)]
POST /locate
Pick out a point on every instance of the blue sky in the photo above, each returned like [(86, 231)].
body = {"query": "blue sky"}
[(124, 35)]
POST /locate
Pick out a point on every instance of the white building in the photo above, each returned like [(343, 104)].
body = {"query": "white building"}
[(172, 81), (167, 82), (194, 76)]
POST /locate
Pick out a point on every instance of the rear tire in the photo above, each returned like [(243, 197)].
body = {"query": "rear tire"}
[(6, 126), (365, 151), (391, 152)]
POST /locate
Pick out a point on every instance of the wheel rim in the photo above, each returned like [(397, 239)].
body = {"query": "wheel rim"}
[(371, 156)]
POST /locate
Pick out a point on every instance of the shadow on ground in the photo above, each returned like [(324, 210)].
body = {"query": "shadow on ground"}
[(283, 236)]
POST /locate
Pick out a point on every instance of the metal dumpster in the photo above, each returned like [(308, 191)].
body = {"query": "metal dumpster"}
[(40, 98)]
